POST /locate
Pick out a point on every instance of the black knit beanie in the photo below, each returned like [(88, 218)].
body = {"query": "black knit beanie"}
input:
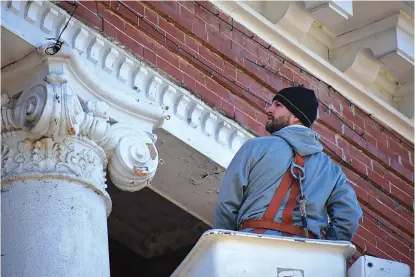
[(302, 102)]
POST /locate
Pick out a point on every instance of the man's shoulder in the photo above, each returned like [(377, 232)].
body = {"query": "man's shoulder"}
[(266, 141), (335, 168)]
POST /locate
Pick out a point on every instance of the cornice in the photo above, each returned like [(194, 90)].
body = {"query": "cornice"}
[(101, 70)]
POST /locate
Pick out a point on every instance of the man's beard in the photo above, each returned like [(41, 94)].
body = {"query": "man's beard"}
[(277, 123)]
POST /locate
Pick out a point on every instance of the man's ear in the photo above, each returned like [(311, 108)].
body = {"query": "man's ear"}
[(296, 120)]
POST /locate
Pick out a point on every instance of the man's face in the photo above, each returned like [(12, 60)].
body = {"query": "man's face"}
[(278, 117)]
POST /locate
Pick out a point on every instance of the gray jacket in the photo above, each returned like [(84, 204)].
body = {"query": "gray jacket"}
[(257, 170)]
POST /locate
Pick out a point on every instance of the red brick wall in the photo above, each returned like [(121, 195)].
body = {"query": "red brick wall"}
[(377, 162)]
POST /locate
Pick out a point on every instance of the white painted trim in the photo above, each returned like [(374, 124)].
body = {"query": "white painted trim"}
[(104, 71), (289, 46), (178, 204)]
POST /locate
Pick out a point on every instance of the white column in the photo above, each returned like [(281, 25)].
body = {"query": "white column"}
[(54, 155)]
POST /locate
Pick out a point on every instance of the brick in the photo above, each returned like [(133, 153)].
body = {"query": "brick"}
[(407, 212), (228, 108), (236, 55), (286, 72), (170, 29), (375, 131), (247, 81), (391, 251), (111, 17), (126, 13), (330, 120), (192, 71), (217, 88), (166, 55), (324, 132), (395, 147), (248, 122), (191, 43), (406, 164), (225, 29), (189, 83), (185, 18), (378, 180), (331, 149), (105, 3), (209, 57), (110, 30), (342, 143), (85, 15), (252, 98), (261, 117), (394, 217), (242, 105), (366, 234), (348, 114), (359, 166), (375, 229), (229, 70), (263, 55), (369, 188), (251, 46), (199, 29), (276, 83), (206, 16), (150, 56), (266, 94), (164, 7), (257, 71), (354, 138), (370, 139), (174, 6), (151, 16), (189, 5), (375, 151), (131, 44), (168, 68), (399, 183), (244, 30), (359, 155), (139, 36), (407, 199), (384, 148), (386, 224), (407, 174), (217, 40), (153, 31), (90, 5), (238, 38), (378, 168), (208, 96), (299, 80)]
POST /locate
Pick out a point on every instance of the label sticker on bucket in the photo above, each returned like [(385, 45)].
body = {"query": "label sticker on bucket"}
[(290, 272)]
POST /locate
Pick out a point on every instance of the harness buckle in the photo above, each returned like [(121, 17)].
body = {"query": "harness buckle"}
[(301, 176)]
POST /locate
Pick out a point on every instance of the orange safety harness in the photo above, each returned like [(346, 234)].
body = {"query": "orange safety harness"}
[(293, 176)]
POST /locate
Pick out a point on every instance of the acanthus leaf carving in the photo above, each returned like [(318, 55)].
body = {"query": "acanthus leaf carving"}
[(73, 156)]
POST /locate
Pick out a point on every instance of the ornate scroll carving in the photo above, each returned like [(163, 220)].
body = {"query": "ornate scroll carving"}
[(47, 129)]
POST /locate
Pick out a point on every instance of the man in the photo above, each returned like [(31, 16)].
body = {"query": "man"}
[(260, 190)]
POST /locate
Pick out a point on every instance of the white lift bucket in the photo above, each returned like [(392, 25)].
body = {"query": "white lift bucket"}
[(235, 254)]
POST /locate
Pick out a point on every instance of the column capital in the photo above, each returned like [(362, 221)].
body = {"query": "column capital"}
[(48, 130)]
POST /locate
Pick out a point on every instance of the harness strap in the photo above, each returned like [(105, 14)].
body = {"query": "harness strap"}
[(260, 224), (286, 226)]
